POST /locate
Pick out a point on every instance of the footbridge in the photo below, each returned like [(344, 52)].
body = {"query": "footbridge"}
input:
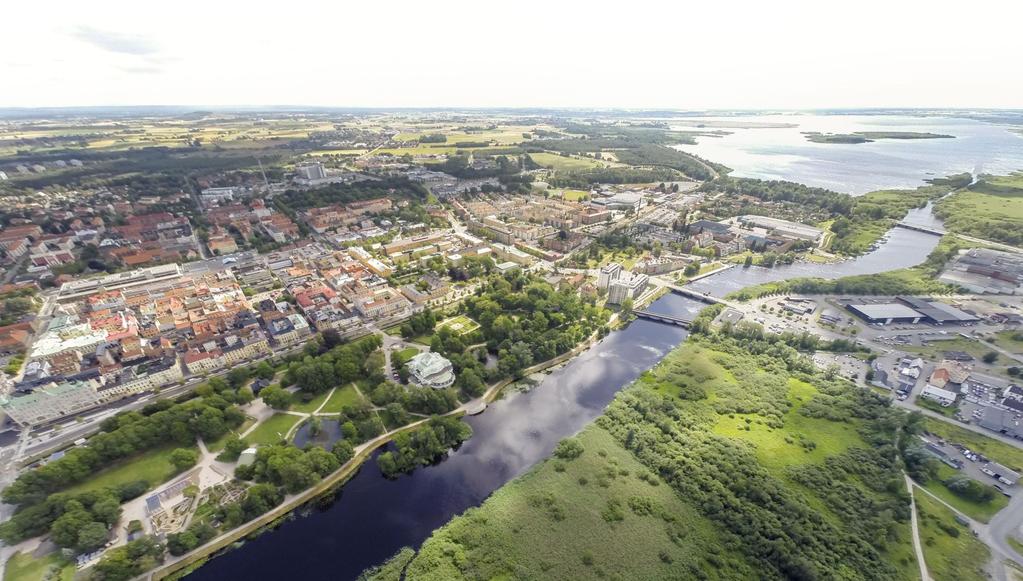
[(671, 320)]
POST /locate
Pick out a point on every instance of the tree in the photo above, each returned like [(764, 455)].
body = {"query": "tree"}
[(92, 536), (990, 357), (276, 397), (343, 451), (233, 448), (568, 449), (183, 458)]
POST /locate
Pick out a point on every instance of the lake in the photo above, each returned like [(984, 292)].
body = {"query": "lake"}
[(783, 153)]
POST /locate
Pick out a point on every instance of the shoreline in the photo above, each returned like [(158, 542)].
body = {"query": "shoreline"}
[(344, 473)]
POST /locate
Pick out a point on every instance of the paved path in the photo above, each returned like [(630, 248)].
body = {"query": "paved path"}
[(924, 575)]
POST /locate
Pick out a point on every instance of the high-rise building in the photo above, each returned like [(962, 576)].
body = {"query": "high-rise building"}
[(311, 172), (608, 274)]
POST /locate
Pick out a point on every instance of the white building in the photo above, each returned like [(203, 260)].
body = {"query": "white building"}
[(431, 370), (942, 396), (311, 172), (629, 286), (51, 402), (608, 274)]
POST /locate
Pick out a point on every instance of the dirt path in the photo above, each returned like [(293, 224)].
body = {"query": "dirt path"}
[(924, 575)]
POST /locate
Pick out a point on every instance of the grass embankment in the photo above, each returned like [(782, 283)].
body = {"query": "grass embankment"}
[(272, 429), (154, 466), (599, 515), (23, 567), (1011, 341), (991, 209), (950, 549)]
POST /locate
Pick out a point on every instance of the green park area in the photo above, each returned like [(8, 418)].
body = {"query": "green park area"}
[(342, 397), (460, 325), (53, 567), (951, 551), (272, 429), (154, 466)]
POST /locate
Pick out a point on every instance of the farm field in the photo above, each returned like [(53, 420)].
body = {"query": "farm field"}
[(561, 163), (153, 466)]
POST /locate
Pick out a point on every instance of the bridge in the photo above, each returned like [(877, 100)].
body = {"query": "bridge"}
[(669, 319), (702, 297), (918, 228)]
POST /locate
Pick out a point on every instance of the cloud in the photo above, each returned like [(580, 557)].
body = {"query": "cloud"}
[(116, 42), (142, 69)]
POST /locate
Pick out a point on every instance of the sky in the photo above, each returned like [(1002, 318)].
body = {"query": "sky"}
[(721, 54)]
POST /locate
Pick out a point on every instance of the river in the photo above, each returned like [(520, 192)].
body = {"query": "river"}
[(372, 517)]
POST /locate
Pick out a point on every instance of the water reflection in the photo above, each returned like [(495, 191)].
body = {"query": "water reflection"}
[(373, 517)]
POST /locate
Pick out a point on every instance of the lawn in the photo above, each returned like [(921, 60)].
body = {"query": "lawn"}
[(272, 429), (153, 466), (345, 396), (310, 406), (22, 567), (1005, 454), (977, 511), (218, 444), (951, 551), (402, 357), (1008, 340), (580, 519), (561, 163), (574, 195), (460, 324)]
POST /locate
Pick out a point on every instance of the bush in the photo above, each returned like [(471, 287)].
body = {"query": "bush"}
[(568, 449)]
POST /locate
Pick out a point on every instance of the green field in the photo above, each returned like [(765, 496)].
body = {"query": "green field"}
[(951, 551), (402, 357), (153, 466), (579, 523), (272, 429), (976, 510), (312, 405), (561, 163), (991, 209), (502, 136), (1007, 340), (344, 396), (22, 567), (574, 195), (460, 325)]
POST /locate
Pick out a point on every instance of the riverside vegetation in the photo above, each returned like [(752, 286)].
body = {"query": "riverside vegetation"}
[(734, 458)]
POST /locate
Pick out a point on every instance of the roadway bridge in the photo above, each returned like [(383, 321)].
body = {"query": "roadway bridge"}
[(703, 298), (918, 228), (669, 319)]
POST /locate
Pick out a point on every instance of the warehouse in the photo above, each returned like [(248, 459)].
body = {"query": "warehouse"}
[(885, 313), (936, 312)]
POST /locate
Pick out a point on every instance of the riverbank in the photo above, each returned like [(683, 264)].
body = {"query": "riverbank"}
[(362, 453)]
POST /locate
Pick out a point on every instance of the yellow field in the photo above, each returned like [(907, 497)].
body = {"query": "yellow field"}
[(560, 163)]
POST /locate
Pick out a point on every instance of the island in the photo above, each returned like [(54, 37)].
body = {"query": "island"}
[(870, 136)]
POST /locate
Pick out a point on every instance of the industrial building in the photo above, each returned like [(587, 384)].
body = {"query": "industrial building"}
[(910, 310)]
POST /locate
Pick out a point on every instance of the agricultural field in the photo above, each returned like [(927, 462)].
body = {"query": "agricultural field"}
[(561, 163), (952, 553), (507, 135), (601, 514), (272, 429), (154, 467), (459, 325)]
